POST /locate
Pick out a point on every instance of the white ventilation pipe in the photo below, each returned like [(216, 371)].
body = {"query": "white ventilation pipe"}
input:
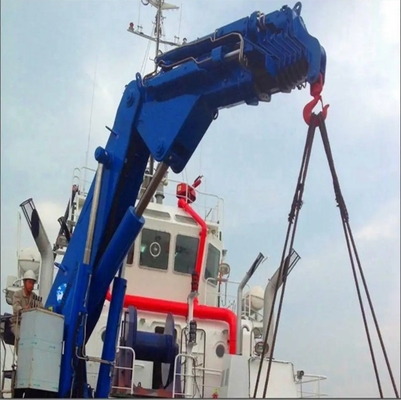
[(44, 247), (273, 286), (259, 259)]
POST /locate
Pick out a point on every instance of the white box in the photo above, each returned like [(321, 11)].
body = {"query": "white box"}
[(235, 377), (39, 350), (281, 380)]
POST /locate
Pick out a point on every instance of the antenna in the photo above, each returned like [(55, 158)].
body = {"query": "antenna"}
[(160, 6), (158, 31), (90, 123), (158, 28)]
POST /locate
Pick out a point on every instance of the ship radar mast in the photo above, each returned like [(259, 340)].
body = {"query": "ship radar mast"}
[(157, 36)]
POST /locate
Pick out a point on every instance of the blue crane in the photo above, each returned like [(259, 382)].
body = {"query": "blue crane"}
[(165, 115)]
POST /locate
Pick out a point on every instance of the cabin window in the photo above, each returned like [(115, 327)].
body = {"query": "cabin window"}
[(212, 263), (186, 251), (155, 247)]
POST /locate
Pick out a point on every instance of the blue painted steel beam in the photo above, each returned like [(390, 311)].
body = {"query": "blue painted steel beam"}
[(166, 115), (110, 340)]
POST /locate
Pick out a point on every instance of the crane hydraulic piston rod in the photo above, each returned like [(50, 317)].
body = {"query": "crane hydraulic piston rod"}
[(165, 114)]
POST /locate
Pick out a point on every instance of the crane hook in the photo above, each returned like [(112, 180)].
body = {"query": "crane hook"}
[(315, 91), (307, 113)]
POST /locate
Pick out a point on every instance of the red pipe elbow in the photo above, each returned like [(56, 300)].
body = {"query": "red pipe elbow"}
[(181, 309)]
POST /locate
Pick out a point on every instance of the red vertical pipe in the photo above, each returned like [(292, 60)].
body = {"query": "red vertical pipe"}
[(202, 236), (176, 308)]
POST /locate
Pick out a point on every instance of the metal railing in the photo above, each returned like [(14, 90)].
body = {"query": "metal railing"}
[(13, 369), (209, 206), (228, 300), (83, 177), (197, 372), (307, 379), (4, 372), (132, 368)]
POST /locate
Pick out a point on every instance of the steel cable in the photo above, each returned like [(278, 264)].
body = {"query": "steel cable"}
[(350, 241), (294, 212)]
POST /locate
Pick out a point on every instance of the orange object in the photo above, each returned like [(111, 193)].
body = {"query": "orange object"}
[(315, 91)]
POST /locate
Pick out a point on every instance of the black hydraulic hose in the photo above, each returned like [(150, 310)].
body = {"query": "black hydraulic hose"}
[(295, 207), (350, 241)]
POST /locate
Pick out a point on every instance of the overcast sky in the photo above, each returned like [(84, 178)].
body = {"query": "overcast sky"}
[(250, 157)]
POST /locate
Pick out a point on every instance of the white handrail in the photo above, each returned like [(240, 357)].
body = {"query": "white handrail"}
[(132, 368), (312, 378), (227, 296), (195, 369), (211, 213)]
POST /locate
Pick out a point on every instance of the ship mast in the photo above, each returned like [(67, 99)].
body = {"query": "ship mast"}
[(156, 37), (160, 5), (158, 33)]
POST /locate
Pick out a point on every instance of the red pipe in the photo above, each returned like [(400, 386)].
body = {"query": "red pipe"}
[(203, 233), (176, 308)]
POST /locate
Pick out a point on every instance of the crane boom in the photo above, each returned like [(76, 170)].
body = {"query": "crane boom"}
[(165, 115)]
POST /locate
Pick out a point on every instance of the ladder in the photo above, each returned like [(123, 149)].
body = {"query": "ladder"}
[(198, 357), (7, 375)]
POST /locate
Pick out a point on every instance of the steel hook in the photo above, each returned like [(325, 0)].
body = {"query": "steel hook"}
[(308, 109), (315, 91)]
